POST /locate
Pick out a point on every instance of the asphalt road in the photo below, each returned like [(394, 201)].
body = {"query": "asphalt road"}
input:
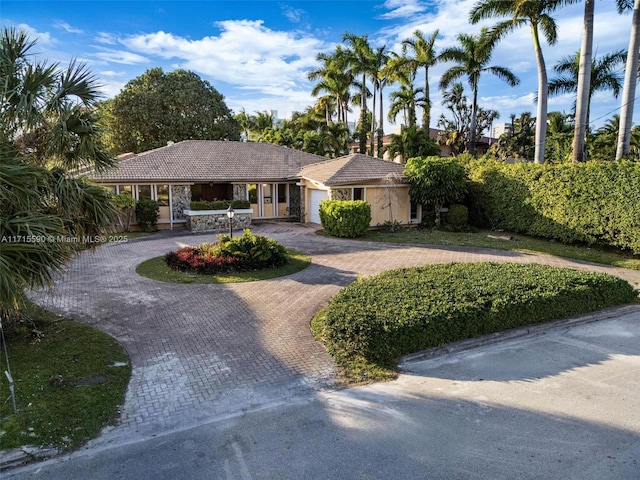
[(561, 402)]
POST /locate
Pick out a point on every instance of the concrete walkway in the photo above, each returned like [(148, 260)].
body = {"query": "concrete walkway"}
[(203, 352)]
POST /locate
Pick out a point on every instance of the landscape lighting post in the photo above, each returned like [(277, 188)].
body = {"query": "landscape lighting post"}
[(230, 214)]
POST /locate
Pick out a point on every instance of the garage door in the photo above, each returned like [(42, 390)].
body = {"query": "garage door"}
[(314, 204)]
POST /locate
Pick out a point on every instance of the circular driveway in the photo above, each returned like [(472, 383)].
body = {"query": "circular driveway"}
[(200, 352)]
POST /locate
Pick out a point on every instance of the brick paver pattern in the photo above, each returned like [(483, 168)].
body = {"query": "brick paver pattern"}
[(200, 352)]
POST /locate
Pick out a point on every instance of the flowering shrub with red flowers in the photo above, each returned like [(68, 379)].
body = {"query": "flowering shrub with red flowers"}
[(239, 254)]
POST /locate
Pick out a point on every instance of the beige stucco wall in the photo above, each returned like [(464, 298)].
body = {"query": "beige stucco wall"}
[(388, 204)]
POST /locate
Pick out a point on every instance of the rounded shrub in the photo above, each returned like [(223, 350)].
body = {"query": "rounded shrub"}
[(345, 218), (458, 216), (398, 312), (147, 212)]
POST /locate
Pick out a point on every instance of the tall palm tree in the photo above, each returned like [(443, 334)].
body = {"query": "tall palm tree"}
[(471, 57), (334, 78), (47, 132), (360, 60), (584, 82), (378, 63), (537, 15), (605, 76), (630, 78), (423, 56)]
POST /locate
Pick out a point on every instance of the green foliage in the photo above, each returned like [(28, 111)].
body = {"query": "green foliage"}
[(158, 107), (47, 126), (435, 181), (345, 218), (147, 212), (256, 251), (122, 201), (593, 203), (219, 204), (403, 311), (458, 217)]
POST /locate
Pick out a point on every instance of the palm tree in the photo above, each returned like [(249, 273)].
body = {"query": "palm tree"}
[(584, 83), (630, 78), (47, 128), (472, 56), (605, 76), (378, 63), (359, 57), (535, 14), (335, 79), (424, 56)]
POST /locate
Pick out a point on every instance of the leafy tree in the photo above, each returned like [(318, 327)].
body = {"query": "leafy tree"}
[(456, 131), (516, 144), (335, 79), (47, 127), (471, 57), (158, 107), (412, 143), (435, 181), (537, 15), (559, 137)]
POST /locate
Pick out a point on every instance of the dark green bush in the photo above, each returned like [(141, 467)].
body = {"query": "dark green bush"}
[(219, 204), (458, 217), (403, 311), (147, 212), (345, 218), (256, 251), (593, 203)]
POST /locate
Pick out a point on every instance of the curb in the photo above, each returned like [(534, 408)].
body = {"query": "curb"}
[(27, 454)]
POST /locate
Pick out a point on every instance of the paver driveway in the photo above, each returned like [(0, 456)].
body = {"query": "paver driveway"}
[(205, 351)]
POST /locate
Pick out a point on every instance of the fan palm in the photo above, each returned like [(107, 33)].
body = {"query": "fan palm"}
[(48, 127), (471, 57)]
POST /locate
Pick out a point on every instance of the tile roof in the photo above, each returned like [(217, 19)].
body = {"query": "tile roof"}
[(354, 168), (211, 161)]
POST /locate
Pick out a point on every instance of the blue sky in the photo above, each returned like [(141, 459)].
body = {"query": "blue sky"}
[(257, 53)]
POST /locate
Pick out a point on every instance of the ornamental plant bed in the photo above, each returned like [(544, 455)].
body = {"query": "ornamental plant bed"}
[(240, 254)]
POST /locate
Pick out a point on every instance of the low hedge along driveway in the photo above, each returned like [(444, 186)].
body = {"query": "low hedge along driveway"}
[(398, 312)]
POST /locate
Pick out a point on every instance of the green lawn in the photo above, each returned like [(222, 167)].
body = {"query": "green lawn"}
[(157, 269), (519, 243), (70, 381)]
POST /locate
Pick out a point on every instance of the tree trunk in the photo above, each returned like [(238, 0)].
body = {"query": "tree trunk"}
[(584, 83), (426, 113), (543, 95), (363, 116), (373, 119), (474, 121), (381, 127), (629, 90)]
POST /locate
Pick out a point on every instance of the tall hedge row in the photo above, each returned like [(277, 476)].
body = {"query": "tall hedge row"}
[(590, 202)]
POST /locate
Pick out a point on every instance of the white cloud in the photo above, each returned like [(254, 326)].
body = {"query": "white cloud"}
[(43, 38), (293, 14), (119, 56), (402, 8), (106, 38), (245, 53), (68, 28)]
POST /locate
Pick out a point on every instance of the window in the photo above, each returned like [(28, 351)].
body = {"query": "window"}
[(125, 190), (162, 195), (144, 192), (415, 211), (358, 193), (282, 192), (253, 193)]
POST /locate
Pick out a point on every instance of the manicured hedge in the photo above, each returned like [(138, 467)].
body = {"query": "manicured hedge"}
[(218, 204), (594, 203), (345, 218), (403, 311)]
